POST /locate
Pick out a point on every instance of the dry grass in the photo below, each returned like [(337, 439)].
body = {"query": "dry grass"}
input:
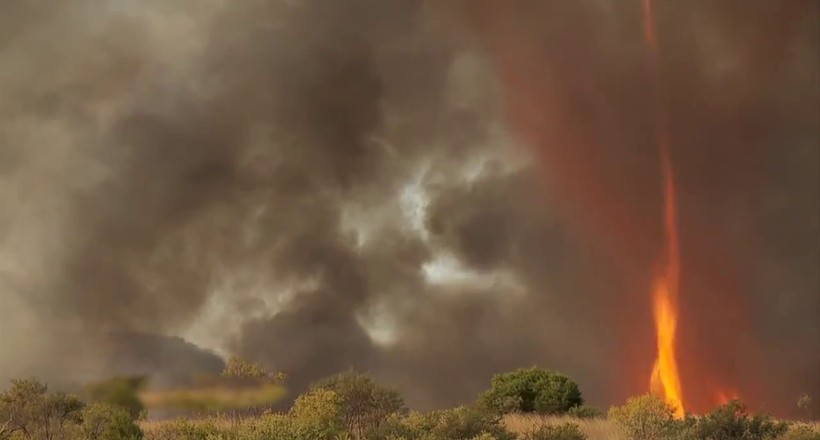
[(595, 429), (603, 429)]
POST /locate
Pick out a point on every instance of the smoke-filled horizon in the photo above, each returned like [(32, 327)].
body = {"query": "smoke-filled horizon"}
[(431, 192)]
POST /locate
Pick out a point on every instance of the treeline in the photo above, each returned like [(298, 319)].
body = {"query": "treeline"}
[(353, 406)]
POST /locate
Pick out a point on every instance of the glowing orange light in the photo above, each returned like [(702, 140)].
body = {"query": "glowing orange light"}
[(723, 397), (665, 379)]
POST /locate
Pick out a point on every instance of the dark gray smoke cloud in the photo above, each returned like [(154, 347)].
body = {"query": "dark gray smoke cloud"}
[(277, 179)]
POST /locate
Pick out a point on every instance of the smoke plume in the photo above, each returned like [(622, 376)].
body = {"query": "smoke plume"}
[(432, 192)]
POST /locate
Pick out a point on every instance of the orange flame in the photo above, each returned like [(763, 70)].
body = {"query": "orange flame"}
[(665, 379)]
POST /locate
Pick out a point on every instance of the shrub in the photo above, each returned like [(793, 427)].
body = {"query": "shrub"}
[(364, 403), (120, 392), (566, 431), (585, 412), (106, 422), (733, 422), (318, 415), (465, 423), (531, 390), (405, 427), (645, 417)]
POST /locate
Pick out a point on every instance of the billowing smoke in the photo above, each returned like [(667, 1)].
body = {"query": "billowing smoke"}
[(320, 186)]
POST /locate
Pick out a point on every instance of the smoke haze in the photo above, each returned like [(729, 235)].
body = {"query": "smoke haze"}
[(430, 192)]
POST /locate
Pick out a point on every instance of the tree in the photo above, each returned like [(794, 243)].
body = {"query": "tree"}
[(365, 404), (18, 406), (531, 390), (29, 411)]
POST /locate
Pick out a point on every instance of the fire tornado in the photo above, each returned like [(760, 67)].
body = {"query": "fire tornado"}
[(665, 380)]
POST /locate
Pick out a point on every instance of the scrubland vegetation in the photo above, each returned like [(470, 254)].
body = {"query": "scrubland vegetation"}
[(526, 404)]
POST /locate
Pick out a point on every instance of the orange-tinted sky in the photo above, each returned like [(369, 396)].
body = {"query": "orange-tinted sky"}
[(577, 91)]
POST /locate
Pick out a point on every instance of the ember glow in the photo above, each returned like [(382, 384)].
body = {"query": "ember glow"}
[(665, 379)]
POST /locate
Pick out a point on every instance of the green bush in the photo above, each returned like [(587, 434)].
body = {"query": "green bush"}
[(646, 417), (308, 423), (364, 403), (566, 431), (733, 422), (412, 426), (318, 415), (531, 390), (463, 423), (106, 422)]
